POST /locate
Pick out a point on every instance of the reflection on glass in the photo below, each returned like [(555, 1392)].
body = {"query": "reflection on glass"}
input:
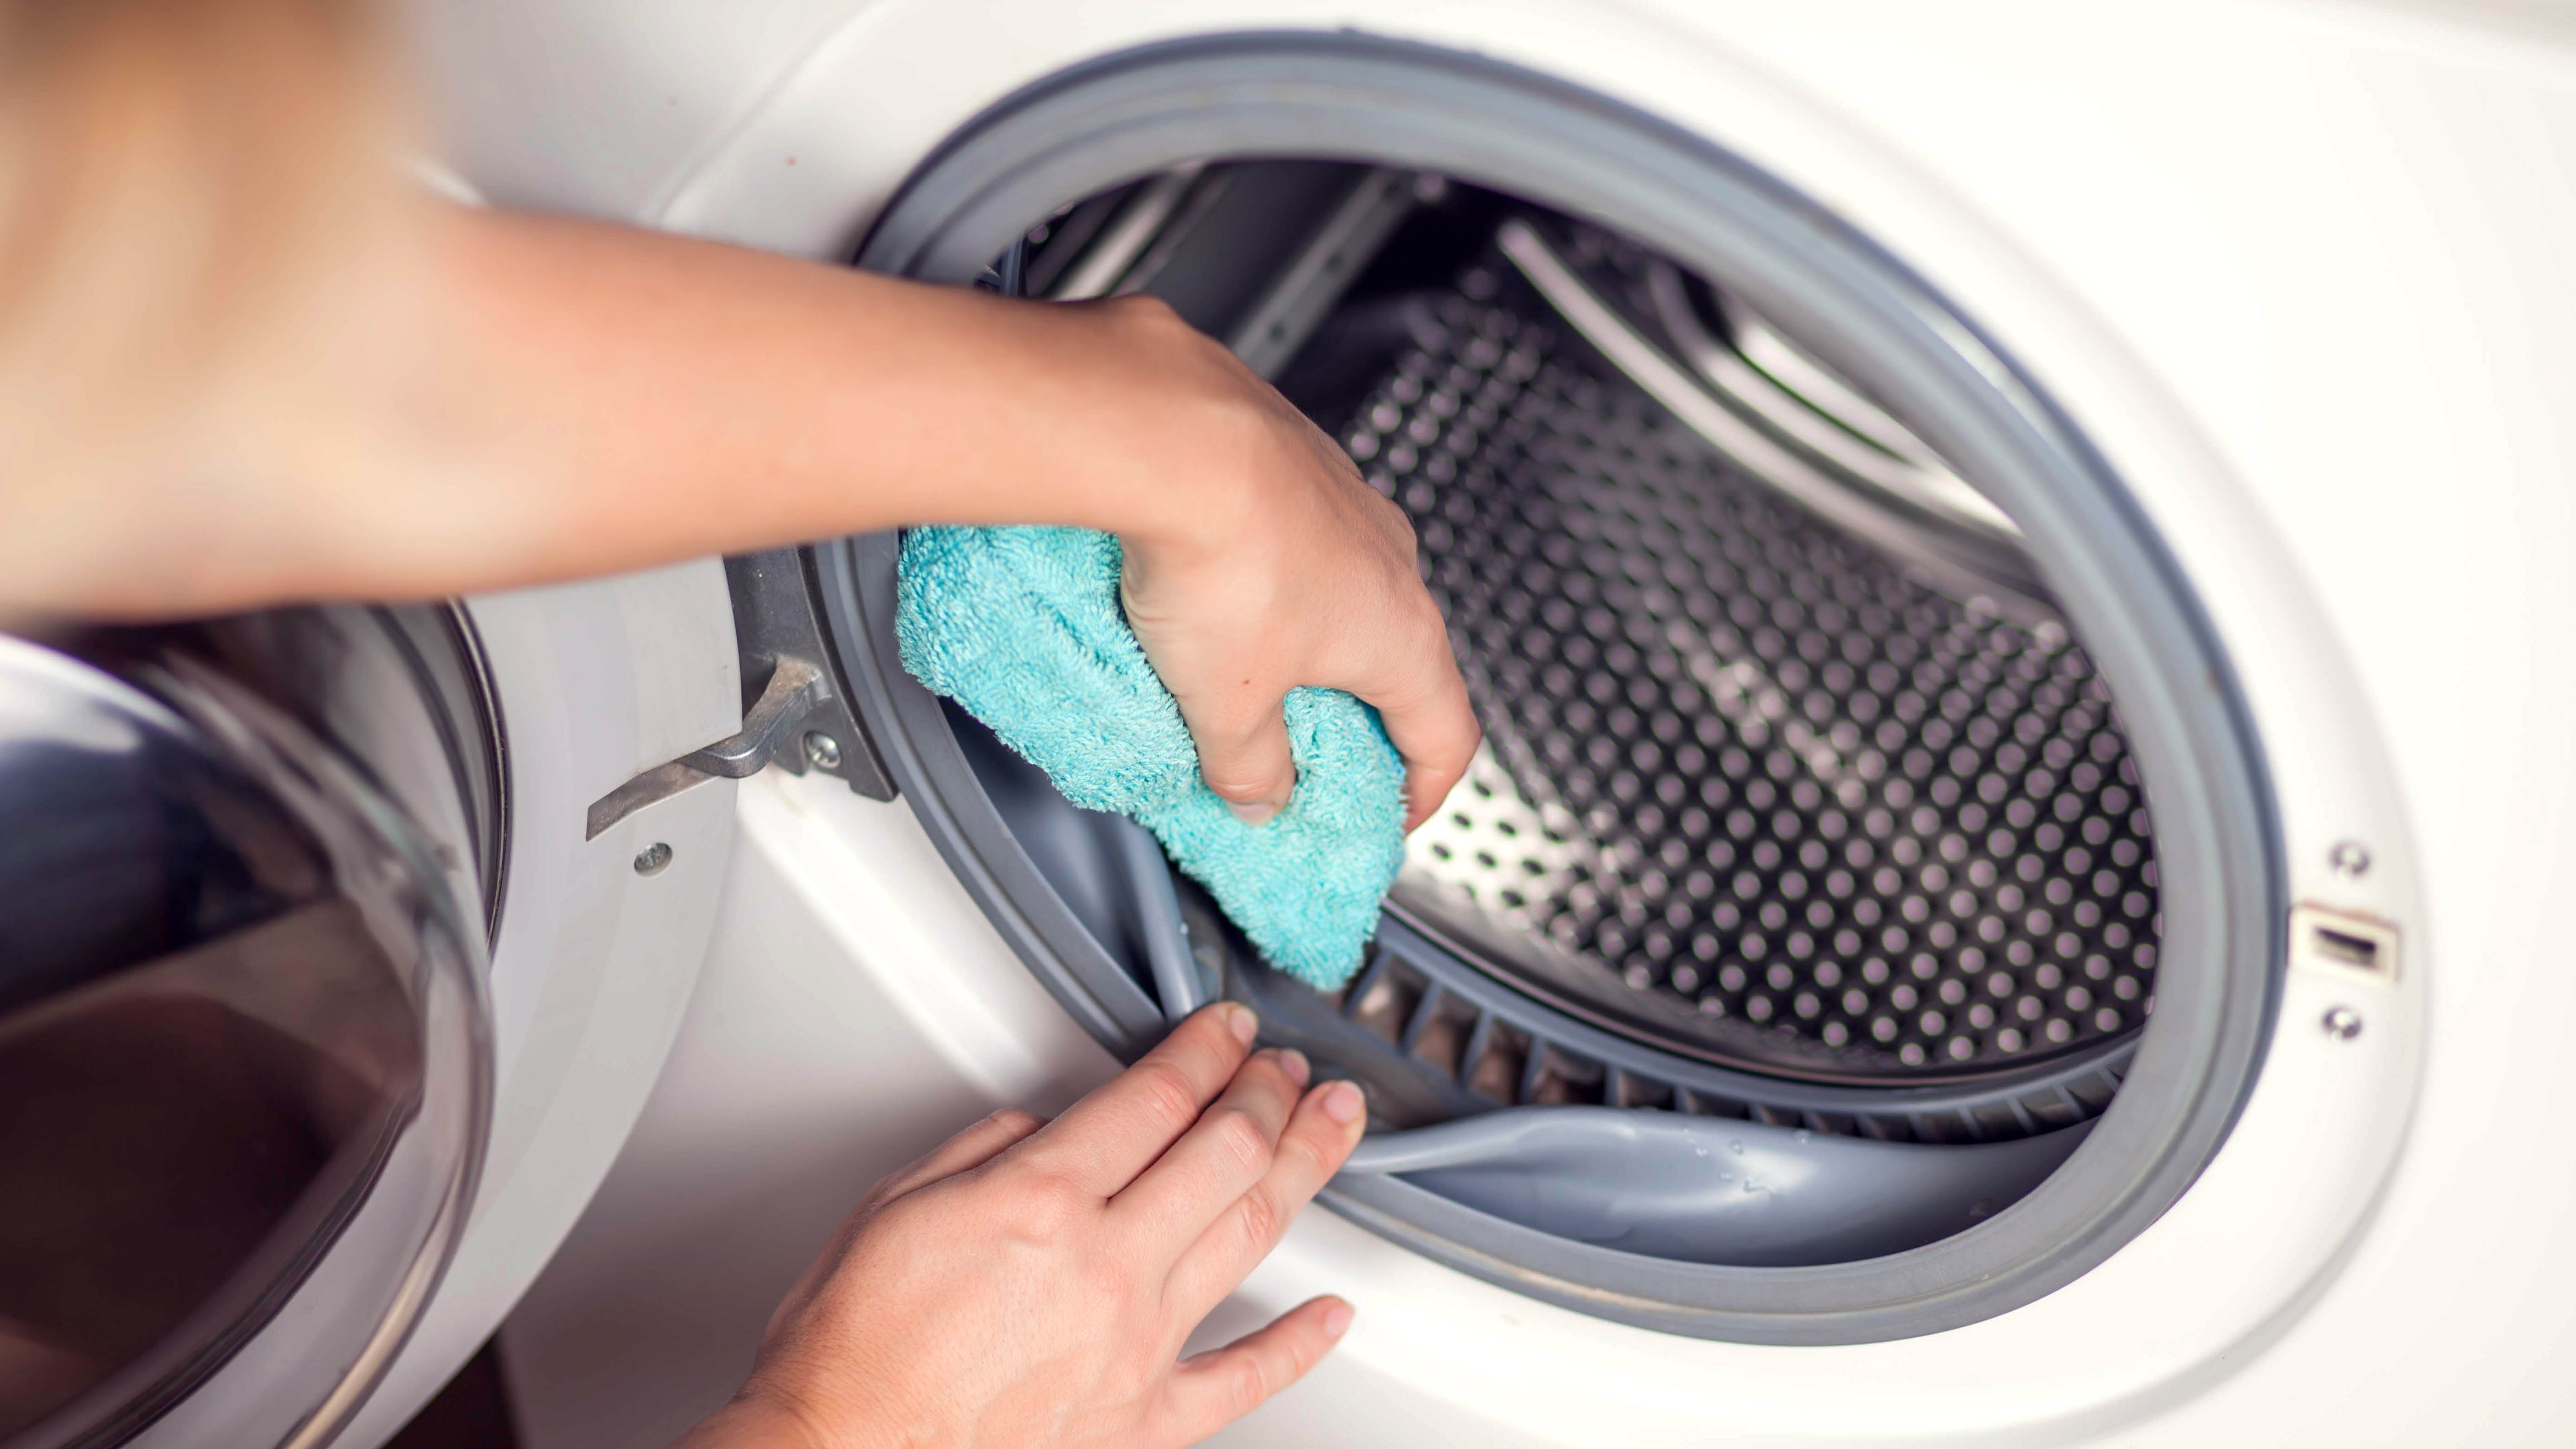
[(205, 1050)]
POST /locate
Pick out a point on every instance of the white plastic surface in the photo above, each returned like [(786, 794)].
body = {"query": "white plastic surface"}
[(2299, 271), (593, 968), (855, 1011)]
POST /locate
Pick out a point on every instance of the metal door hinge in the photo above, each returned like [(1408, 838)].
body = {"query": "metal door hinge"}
[(799, 720)]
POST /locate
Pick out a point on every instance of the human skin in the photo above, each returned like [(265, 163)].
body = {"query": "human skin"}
[(530, 398), (1031, 1283), (242, 365), (491, 400)]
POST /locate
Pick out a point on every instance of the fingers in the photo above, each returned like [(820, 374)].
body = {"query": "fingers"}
[(1413, 680), (1218, 1160), (1243, 754), (1103, 1141), (1437, 738), (971, 1148), (1213, 1389), (1321, 1133)]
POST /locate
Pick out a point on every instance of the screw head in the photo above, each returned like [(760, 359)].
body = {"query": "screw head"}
[(653, 858), (2349, 859), (823, 750), (2342, 1023)]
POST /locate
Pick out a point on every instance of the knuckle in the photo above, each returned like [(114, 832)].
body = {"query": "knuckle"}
[(1247, 1384), (1312, 1159), (1170, 1096), (1450, 730), (1258, 1218), (1240, 1137), (1243, 731), (1421, 616), (1462, 746), (1043, 1207), (1247, 769), (1015, 1121), (1397, 523), (1244, 712), (1443, 689), (900, 1221), (1143, 310), (1244, 786)]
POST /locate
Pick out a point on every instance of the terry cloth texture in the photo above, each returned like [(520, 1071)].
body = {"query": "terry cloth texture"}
[(1022, 626)]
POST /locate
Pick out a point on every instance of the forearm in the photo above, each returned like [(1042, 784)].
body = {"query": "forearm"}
[(670, 397), (567, 398), (507, 400)]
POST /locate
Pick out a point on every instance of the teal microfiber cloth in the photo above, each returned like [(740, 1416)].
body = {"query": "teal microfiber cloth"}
[(1022, 626)]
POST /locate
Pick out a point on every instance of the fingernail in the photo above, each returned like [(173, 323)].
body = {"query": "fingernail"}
[(1293, 1062), (1256, 813), (1343, 1103), (1337, 1320), (1240, 1020)]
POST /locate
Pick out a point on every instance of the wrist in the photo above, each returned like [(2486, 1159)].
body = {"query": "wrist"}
[(1186, 474)]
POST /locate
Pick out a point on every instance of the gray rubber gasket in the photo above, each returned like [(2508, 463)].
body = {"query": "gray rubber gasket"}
[(921, 751), (1362, 98)]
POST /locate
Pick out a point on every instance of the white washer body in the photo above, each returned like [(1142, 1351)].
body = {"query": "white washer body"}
[(594, 964), (2297, 270)]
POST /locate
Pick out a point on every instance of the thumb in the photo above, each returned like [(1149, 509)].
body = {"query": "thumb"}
[(1243, 756)]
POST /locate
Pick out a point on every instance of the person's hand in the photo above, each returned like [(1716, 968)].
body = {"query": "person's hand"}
[(1031, 1283), (533, 424), (1281, 567)]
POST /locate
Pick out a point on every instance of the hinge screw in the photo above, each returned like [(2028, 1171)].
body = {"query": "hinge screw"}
[(652, 858), (823, 750), (2349, 859), (2342, 1023)]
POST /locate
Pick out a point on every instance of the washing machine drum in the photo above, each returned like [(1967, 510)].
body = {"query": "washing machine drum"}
[(1760, 791), (243, 1060), (1800, 959), (1752, 789), (1776, 820)]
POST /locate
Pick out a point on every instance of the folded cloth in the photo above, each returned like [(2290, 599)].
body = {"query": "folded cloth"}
[(1022, 627)]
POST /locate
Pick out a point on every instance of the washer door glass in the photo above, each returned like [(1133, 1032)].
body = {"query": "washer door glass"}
[(244, 1062)]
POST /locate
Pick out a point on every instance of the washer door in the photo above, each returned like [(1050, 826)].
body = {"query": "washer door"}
[(244, 1048)]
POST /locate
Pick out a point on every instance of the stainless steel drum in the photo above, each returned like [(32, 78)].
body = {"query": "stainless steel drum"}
[(1753, 788)]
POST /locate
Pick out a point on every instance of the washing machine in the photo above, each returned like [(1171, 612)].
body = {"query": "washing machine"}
[(2011, 558)]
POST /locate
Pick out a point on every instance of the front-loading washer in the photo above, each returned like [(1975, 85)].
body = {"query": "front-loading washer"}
[(1834, 429)]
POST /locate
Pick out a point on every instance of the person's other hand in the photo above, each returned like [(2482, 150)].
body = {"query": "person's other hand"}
[(1031, 1283), (1282, 567)]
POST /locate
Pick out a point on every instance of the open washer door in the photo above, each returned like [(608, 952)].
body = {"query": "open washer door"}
[(320, 979), (244, 1028)]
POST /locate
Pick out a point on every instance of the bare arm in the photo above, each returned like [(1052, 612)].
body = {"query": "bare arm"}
[(632, 397), (577, 398)]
